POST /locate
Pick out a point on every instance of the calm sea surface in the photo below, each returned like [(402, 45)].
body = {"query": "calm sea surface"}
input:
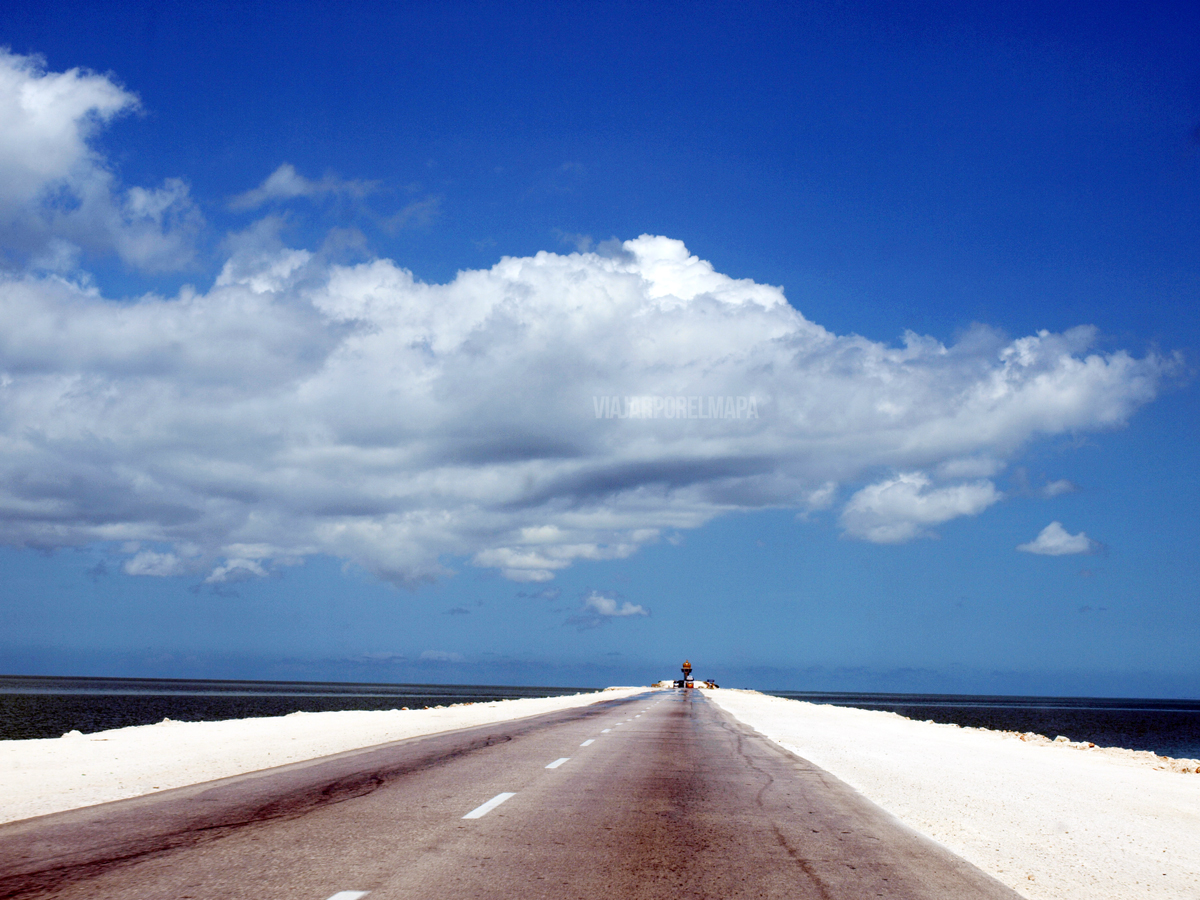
[(1168, 727), (33, 707)]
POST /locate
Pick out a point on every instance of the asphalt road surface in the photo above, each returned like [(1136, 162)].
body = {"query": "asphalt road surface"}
[(662, 795)]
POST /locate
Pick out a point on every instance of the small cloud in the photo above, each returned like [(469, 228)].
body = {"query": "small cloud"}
[(607, 606), (285, 183), (817, 500), (1058, 488), (898, 509), (822, 497), (418, 214), (1054, 540), (158, 565), (1021, 486), (598, 609), (603, 605), (441, 656), (236, 570), (458, 611)]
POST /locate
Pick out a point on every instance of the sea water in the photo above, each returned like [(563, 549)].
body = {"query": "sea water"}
[(38, 707), (1166, 727)]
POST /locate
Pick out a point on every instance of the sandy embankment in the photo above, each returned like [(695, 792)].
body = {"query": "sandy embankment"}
[(44, 776), (1051, 820)]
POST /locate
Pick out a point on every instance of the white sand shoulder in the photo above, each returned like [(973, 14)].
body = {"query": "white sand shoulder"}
[(1051, 820), (45, 776)]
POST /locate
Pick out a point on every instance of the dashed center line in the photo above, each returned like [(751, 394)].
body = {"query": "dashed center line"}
[(588, 741), (481, 811), (349, 895), (558, 762), (605, 730)]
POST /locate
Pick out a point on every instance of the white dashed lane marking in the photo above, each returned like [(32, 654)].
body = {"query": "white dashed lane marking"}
[(480, 811), (558, 762), (605, 730), (588, 741), (349, 895)]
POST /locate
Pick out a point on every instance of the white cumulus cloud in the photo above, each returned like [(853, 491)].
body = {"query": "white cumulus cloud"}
[(899, 509), (606, 606), (58, 196), (298, 407), (1054, 540)]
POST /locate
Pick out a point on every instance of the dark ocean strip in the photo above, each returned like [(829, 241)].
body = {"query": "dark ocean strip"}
[(42, 707), (1165, 727)]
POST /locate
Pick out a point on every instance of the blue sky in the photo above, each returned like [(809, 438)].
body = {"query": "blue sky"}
[(306, 311)]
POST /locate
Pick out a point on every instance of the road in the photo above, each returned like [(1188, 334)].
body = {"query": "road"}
[(662, 795)]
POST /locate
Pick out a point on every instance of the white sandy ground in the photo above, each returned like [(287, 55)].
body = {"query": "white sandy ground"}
[(1052, 820), (44, 776), (1049, 819)]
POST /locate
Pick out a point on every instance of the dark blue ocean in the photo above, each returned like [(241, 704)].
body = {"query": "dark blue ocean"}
[(42, 707), (1167, 727), (36, 707)]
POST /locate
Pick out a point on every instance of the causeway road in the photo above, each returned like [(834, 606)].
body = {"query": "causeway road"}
[(661, 795)]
